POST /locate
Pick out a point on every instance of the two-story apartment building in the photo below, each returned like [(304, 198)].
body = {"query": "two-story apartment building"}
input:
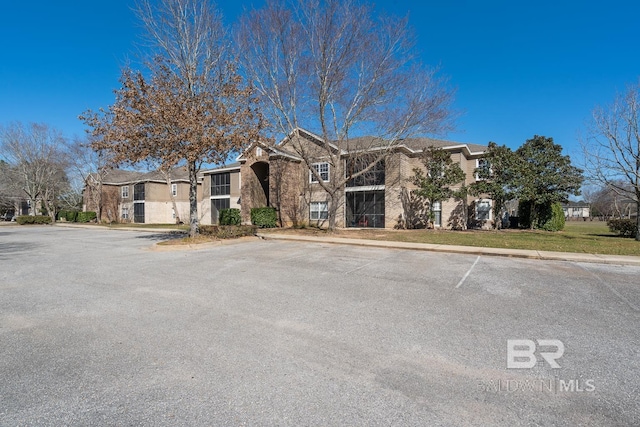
[(280, 176), (151, 197)]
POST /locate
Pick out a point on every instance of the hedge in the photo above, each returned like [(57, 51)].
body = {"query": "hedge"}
[(264, 217), (229, 217), (86, 216), (69, 216), (551, 217), (228, 231), (38, 219), (623, 226), (75, 216)]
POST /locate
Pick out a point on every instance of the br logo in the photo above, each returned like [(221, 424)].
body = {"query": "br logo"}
[(521, 354)]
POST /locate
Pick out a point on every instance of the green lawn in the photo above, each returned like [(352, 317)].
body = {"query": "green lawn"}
[(581, 237)]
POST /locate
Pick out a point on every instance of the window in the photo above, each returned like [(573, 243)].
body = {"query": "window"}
[(221, 184), (481, 164), (323, 171), (374, 176), (125, 192), (437, 213), (173, 213), (138, 213), (216, 206), (364, 209), (174, 190), (138, 191), (258, 152), (483, 210), (125, 212), (318, 211)]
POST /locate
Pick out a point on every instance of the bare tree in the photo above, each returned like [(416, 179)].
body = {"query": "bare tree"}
[(193, 109), (612, 149), (336, 66), (88, 168), (37, 154)]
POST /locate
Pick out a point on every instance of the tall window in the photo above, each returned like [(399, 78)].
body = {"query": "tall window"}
[(374, 176), (437, 213), (323, 171), (125, 192), (138, 213), (483, 210), (318, 211), (365, 209), (481, 164), (174, 190), (125, 212), (216, 206), (138, 191), (221, 184)]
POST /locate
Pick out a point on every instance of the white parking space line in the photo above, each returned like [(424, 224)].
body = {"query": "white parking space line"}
[(467, 273)]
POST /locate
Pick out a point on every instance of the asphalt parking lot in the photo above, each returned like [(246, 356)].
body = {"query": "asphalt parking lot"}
[(98, 329)]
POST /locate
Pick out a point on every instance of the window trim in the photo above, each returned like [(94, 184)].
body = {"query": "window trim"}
[(478, 167), (319, 211), (174, 190), (437, 220), (125, 212), (122, 191), (477, 203), (312, 177)]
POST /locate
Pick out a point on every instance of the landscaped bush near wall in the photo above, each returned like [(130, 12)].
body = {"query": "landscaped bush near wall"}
[(264, 217), (227, 231), (623, 226), (38, 219), (86, 216), (229, 217)]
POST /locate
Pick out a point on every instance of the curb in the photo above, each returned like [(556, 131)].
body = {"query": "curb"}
[(469, 250)]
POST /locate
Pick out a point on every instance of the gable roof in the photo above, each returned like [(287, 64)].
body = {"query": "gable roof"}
[(122, 177), (222, 168), (371, 143)]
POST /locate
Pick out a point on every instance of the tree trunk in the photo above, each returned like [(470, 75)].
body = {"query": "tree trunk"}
[(532, 215), (638, 219), (193, 199), (98, 198), (332, 211)]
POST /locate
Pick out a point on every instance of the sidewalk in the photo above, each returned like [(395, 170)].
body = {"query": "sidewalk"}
[(472, 250)]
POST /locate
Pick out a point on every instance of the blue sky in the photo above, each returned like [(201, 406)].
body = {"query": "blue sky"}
[(520, 68)]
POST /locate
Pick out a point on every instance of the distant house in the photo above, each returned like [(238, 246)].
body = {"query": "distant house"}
[(130, 196), (576, 211)]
